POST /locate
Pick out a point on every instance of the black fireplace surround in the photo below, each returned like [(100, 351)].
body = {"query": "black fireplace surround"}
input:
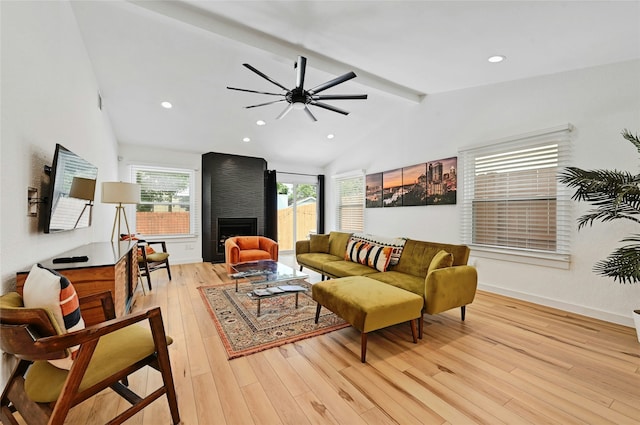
[(229, 227), (233, 194)]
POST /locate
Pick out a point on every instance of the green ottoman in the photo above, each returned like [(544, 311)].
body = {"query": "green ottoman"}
[(368, 304)]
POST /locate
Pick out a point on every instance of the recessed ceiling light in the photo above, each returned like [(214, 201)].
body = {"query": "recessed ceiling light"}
[(330, 136), (166, 105), (246, 139), (260, 122), (496, 58)]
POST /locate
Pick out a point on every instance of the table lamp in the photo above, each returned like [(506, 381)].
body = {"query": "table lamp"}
[(83, 188), (120, 193)]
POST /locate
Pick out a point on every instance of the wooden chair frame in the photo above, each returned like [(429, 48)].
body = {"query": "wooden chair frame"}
[(29, 336), (147, 266)]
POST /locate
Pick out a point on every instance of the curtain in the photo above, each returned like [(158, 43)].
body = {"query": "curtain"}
[(270, 205), (320, 204)]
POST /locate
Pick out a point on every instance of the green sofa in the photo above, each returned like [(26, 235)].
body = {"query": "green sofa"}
[(442, 285)]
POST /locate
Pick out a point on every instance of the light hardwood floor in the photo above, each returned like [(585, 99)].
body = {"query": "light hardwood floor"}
[(511, 362)]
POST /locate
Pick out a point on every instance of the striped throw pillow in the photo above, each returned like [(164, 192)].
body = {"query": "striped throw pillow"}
[(48, 289)]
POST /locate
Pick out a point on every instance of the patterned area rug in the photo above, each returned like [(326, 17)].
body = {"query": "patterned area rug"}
[(243, 332)]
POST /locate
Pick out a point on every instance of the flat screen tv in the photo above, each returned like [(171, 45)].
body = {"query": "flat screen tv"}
[(66, 212)]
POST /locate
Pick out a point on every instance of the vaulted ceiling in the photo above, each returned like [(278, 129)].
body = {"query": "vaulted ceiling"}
[(188, 52)]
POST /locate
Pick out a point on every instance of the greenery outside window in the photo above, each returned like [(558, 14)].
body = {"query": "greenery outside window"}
[(350, 204), (167, 204), (512, 200)]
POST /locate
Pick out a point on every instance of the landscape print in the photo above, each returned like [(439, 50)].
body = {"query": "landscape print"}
[(414, 185), (392, 190), (374, 190), (428, 183), (442, 181)]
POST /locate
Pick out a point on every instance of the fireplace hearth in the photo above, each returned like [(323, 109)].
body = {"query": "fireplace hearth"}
[(229, 227)]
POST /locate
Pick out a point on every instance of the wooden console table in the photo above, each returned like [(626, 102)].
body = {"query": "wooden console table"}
[(111, 267)]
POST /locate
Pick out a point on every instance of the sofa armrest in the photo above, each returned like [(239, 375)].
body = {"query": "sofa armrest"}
[(303, 247), (231, 253), (270, 246), (450, 287)]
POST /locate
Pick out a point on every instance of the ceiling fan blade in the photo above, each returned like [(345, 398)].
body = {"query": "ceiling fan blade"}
[(334, 82), (302, 66), (329, 107), (265, 76), (308, 111), (285, 112), (339, 96), (255, 91), (264, 104)]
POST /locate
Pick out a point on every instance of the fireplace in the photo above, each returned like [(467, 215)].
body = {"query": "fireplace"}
[(228, 227)]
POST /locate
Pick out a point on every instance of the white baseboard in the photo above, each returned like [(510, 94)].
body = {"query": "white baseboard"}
[(561, 305)]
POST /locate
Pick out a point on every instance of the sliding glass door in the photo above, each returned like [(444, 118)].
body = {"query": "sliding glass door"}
[(297, 211)]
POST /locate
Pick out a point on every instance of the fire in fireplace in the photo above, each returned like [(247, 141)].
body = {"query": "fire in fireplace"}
[(229, 227)]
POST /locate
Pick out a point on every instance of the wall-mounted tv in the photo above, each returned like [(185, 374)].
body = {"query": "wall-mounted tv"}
[(66, 212)]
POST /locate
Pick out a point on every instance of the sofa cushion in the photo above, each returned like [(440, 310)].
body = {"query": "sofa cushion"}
[(247, 242), (338, 243), (440, 260), (404, 281), (316, 260), (346, 268), (319, 243), (253, 255)]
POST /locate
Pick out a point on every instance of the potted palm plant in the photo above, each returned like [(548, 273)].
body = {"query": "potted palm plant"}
[(614, 195)]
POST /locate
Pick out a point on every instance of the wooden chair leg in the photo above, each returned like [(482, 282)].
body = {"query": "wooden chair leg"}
[(318, 312), (414, 333), (463, 311), (363, 347), (168, 270)]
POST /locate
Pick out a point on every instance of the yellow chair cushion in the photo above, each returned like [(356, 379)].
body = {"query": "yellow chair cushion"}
[(114, 352), (155, 257)]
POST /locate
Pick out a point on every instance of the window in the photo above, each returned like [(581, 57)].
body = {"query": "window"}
[(350, 203), (512, 201), (167, 204)]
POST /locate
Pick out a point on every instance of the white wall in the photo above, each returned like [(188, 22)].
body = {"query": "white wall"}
[(182, 249), (599, 102), (49, 96)]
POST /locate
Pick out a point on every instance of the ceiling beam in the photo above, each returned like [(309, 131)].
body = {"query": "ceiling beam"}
[(237, 31)]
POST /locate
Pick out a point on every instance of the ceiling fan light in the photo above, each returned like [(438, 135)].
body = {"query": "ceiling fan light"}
[(298, 105)]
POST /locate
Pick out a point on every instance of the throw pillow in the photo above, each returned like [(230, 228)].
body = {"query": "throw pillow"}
[(379, 257), (397, 244), (48, 289), (357, 251), (441, 260), (319, 243)]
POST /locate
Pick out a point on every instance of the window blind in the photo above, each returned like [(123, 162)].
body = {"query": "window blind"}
[(512, 200), (350, 203), (167, 205)]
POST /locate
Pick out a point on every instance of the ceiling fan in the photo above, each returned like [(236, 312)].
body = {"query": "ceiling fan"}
[(298, 97)]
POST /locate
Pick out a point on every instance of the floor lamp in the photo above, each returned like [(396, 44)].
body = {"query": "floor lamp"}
[(120, 193), (83, 188)]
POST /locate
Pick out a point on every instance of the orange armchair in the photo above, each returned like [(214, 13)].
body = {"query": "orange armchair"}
[(240, 249)]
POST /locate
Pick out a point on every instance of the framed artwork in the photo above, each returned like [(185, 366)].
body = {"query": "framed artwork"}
[(414, 185), (374, 190), (392, 190), (442, 181)]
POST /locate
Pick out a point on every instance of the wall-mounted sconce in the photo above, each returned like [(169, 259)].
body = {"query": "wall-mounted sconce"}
[(33, 201)]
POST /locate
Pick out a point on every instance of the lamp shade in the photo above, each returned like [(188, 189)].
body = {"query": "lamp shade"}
[(120, 193), (83, 188)]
